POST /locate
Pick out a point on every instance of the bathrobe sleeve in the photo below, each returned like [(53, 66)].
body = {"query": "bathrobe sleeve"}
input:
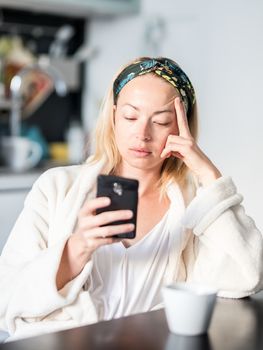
[(225, 248), (28, 264)]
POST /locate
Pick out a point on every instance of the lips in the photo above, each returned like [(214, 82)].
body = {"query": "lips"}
[(141, 152)]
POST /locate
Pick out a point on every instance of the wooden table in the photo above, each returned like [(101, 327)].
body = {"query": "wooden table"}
[(236, 324)]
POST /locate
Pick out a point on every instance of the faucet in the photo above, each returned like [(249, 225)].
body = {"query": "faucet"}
[(42, 66)]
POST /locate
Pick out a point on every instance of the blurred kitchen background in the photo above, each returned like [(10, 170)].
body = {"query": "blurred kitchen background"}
[(57, 58)]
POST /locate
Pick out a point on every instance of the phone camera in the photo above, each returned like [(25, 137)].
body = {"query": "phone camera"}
[(117, 188)]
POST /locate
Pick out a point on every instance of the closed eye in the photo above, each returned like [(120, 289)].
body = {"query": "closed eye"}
[(162, 124), (129, 118)]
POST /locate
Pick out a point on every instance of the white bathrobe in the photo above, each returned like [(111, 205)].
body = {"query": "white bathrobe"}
[(217, 244)]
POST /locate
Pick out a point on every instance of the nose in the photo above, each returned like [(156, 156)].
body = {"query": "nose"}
[(143, 131)]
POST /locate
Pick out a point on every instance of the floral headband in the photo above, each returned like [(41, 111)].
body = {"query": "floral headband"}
[(165, 68)]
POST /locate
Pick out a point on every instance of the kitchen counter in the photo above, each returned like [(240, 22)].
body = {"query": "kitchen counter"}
[(17, 181), (10, 180)]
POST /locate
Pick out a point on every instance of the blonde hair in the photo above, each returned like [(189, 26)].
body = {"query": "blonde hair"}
[(105, 146)]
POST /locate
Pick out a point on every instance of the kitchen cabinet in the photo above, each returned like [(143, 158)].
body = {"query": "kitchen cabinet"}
[(77, 8), (38, 39), (13, 191)]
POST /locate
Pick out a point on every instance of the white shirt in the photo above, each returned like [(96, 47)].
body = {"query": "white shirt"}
[(123, 280), (128, 280)]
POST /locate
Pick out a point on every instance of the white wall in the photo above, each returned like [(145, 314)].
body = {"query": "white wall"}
[(219, 45)]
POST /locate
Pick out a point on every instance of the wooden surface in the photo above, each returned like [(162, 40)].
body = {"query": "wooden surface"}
[(236, 324)]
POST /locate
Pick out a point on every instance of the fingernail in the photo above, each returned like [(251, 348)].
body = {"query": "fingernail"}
[(107, 200), (129, 214)]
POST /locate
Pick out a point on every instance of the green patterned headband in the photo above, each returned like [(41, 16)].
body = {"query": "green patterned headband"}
[(165, 68)]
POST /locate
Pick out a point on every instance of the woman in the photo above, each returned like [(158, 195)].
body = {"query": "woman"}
[(61, 267)]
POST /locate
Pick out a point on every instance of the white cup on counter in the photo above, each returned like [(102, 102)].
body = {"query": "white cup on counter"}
[(184, 342), (188, 307), (20, 153)]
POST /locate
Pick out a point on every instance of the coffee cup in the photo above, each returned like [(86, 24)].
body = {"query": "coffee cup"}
[(184, 342), (188, 307), (19, 153)]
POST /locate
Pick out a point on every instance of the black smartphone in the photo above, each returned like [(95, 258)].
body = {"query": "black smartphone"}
[(123, 193)]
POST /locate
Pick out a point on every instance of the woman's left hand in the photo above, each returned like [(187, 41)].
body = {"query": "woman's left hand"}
[(183, 146)]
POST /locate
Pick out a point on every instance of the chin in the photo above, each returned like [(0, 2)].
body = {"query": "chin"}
[(142, 163)]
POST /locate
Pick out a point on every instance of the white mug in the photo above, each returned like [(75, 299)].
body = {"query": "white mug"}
[(188, 307), (184, 342), (20, 153)]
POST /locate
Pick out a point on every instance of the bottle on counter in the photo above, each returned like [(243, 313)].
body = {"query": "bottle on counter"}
[(76, 142)]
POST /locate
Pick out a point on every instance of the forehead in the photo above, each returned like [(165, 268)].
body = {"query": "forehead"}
[(147, 90)]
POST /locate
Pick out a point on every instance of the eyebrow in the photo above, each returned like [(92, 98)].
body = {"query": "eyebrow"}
[(154, 113)]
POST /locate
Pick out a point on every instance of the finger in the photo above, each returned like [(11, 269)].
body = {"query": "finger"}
[(173, 140), (174, 149), (167, 153), (181, 118), (92, 204), (108, 217), (109, 231)]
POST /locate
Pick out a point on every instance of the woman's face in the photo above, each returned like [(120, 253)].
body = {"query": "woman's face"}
[(144, 118)]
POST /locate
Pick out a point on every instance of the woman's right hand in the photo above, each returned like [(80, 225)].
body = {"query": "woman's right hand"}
[(91, 232), (89, 235)]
